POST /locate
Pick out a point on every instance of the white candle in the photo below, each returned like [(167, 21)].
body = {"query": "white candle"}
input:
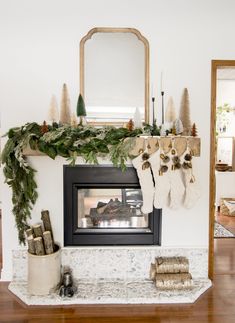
[(152, 94), (162, 81)]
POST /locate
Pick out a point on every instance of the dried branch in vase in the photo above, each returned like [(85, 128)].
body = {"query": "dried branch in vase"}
[(40, 239)]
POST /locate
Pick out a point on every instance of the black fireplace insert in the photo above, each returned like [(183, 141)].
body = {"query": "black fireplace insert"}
[(102, 206)]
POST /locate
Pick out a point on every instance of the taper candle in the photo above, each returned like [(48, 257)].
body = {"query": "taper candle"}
[(162, 81)]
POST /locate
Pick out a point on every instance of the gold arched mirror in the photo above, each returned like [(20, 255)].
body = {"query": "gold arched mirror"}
[(114, 75)]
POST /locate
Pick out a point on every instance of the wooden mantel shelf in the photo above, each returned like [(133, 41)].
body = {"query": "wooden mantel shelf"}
[(151, 144)]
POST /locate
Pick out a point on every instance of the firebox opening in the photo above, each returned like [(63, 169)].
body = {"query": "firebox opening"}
[(102, 206)]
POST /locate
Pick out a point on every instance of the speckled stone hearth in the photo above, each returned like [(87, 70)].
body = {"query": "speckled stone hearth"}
[(115, 275), (114, 292)]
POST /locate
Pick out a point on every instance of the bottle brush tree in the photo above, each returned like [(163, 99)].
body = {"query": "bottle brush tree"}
[(53, 113), (178, 126), (185, 113), (194, 130), (170, 111), (81, 110), (74, 121), (65, 114)]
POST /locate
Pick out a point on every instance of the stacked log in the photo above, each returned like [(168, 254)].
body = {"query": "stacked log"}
[(40, 237), (171, 273)]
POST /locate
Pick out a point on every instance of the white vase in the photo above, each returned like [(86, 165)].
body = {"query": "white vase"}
[(44, 273)]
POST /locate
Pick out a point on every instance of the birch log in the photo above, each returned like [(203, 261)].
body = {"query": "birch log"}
[(45, 217), (173, 281), (39, 247), (31, 247), (37, 229), (172, 265), (29, 232), (48, 242), (152, 273)]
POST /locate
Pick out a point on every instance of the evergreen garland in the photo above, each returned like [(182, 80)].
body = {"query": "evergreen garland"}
[(65, 141)]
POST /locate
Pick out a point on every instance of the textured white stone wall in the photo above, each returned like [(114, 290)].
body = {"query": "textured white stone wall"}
[(124, 263)]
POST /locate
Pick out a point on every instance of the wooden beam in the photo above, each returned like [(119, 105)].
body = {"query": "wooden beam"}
[(152, 145)]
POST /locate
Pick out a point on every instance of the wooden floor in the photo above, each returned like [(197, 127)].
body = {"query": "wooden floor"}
[(216, 305), (227, 221), (0, 241)]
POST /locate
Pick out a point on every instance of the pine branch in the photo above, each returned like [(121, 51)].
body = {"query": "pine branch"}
[(66, 141)]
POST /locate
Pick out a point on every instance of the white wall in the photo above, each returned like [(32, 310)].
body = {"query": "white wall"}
[(39, 52)]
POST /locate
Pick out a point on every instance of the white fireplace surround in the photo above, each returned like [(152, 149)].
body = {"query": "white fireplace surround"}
[(118, 268), (115, 275), (182, 229)]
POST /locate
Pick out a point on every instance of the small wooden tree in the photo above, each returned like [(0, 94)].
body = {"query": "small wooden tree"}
[(130, 125), (170, 111), (194, 130), (81, 110), (44, 127), (53, 113), (65, 114), (185, 113)]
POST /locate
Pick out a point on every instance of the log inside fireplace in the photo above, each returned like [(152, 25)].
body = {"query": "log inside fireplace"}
[(102, 206)]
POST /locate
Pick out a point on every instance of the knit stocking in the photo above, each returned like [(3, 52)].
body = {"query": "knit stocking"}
[(177, 188), (161, 178), (192, 191), (142, 166)]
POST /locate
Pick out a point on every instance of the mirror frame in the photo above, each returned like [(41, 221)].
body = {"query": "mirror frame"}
[(117, 30)]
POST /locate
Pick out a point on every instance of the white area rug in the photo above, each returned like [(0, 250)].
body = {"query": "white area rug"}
[(222, 232)]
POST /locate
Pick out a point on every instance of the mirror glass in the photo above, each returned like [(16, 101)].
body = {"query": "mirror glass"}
[(113, 76)]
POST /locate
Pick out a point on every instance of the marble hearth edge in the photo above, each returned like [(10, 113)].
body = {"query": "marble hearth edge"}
[(101, 270)]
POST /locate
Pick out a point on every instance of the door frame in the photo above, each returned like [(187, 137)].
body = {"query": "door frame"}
[(215, 65)]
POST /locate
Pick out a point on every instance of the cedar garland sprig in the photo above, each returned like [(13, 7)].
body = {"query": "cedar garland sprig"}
[(65, 141)]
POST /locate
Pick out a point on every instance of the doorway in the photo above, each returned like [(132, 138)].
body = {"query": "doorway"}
[(220, 69)]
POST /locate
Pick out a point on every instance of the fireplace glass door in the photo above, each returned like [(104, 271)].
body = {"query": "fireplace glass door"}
[(102, 206), (110, 208)]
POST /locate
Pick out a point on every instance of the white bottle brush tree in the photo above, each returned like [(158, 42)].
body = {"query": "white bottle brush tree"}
[(65, 114), (53, 113), (170, 115), (81, 111), (185, 113)]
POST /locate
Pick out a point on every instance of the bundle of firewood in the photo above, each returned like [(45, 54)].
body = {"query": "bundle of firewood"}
[(171, 273), (40, 237)]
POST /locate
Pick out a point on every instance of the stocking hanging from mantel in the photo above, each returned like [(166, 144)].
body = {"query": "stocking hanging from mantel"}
[(177, 188), (173, 177), (143, 169), (159, 164)]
